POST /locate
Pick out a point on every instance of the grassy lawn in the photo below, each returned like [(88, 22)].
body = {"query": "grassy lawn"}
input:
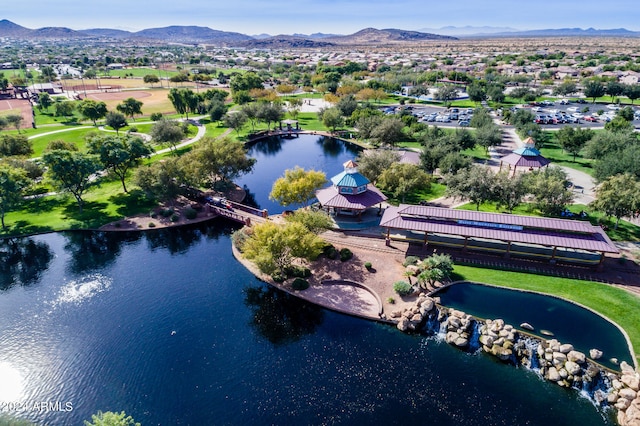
[(477, 153), (616, 304), (73, 135), (436, 191), (103, 204), (552, 151)]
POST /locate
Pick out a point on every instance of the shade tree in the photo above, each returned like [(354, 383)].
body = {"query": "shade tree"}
[(119, 154), (297, 186), (71, 171)]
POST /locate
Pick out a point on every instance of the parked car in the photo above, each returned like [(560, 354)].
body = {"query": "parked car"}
[(590, 118), (443, 119), (572, 109), (464, 123)]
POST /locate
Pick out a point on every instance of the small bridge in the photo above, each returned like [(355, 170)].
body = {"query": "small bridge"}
[(240, 213)]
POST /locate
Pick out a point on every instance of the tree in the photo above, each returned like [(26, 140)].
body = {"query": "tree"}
[(496, 93), (298, 186), (316, 221), (130, 107), (481, 118), (593, 89), (92, 110), (572, 140), (446, 94), (15, 120), (550, 189), (401, 179), (475, 184), (566, 88), (151, 79), (11, 145), (273, 247), (347, 104), (167, 131), (614, 89), (332, 118), (476, 92), (217, 160), (626, 113), (13, 181), (184, 101), (111, 419), (64, 108), (632, 91), (293, 107), (115, 120), (44, 100), (161, 180), (216, 110), (251, 112), (235, 120), (618, 196), (71, 171), (488, 136), (60, 144), (245, 82), (619, 125), (388, 132), (269, 112), (508, 191), (119, 154), (371, 163)]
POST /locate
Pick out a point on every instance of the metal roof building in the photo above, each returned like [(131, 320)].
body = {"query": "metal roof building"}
[(521, 231)]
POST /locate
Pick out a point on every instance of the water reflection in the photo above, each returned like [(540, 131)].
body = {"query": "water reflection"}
[(269, 146), (280, 317), (179, 240), (22, 261), (332, 147), (91, 250), (249, 198)]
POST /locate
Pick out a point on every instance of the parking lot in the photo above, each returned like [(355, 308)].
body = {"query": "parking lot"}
[(549, 115)]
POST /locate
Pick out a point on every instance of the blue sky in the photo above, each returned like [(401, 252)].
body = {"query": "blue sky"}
[(329, 16)]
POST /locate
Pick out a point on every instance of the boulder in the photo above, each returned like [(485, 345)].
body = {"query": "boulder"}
[(454, 322), (566, 348), (576, 356), (527, 326), (572, 368), (562, 372), (487, 340), (627, 393), (416, 318), (633, 415), (501, 353), (626, 368), (631, 380), (428, 305), (553, 374), (622, 404), (461, 342), (458, 314), (395, 314), (612, 397), (595, 354), (403, 324), (559, 357), (592, 371)]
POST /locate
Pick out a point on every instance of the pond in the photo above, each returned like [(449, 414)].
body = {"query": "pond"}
[(569, 323), (168, 327), (275, 155)]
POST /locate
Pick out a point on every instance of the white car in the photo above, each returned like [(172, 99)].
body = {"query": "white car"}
[(613, 107), (577, 115), (572, 109), (443, 119)]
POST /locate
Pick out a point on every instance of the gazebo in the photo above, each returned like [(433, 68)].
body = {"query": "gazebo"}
[(350, 193), (527, 156)]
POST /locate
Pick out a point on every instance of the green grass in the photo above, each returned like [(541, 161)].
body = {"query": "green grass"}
[(73, 135), (139, 72), (616, 304), (47, 117), (436, 191), (477, 152), (103, 204), (552, 151)]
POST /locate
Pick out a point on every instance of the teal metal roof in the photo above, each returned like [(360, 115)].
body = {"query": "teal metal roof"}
[(352, 180), (527, 152)]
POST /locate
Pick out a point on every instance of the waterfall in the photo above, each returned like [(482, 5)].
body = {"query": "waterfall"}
[(474, 339)]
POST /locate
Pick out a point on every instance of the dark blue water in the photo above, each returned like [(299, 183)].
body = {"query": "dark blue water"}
[(275, 155), (568, 322), (167, 326)]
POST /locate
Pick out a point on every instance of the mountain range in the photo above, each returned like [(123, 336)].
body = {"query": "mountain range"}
[(367, 36)]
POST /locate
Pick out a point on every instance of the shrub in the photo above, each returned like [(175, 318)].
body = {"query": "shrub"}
[(132, 130), (190, 213), (345, 254), (300, 284), (391, 300), (156, 116), (153, 214), (330, 251), (410, 260), (278, 277), (368, 265), (152, 225), (298, 271), (239, 237), (174, 217), (166, 212), (403, 288)]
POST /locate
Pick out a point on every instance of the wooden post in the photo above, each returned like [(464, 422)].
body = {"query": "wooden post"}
[(507, 254), (426, 234), (466, 242), (553, 255)]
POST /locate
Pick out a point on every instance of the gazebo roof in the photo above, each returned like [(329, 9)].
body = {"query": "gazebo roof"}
[(352, 180), (527, 151), (330, 197), (519, 160)]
